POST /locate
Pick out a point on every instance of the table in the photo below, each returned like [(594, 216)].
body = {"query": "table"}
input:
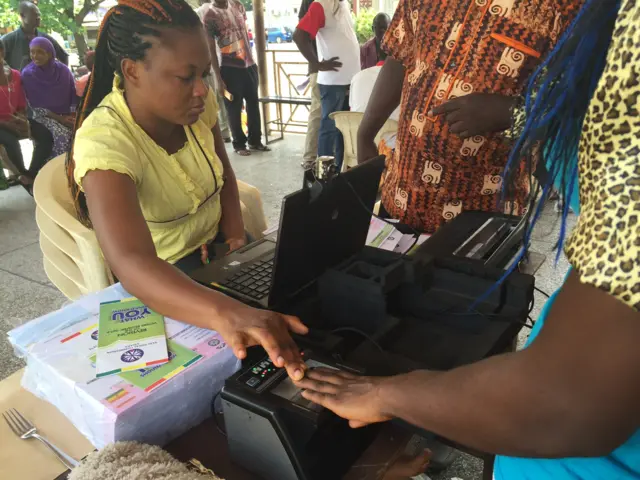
[(31, 460), (208, 445)]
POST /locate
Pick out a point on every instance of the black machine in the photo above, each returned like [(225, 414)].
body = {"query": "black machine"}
[(280, 435), (319, 228), (371, 311), (489, 239)]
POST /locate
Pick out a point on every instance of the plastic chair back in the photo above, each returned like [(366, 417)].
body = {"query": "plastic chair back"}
[(73, 259), (348, 123)]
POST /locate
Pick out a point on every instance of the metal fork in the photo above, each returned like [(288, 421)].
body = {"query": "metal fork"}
[(25, 430)]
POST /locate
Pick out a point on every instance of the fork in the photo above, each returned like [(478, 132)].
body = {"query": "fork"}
[(25, 430)]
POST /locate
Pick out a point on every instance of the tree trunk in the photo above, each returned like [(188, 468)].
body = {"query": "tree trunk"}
[(81, 45)]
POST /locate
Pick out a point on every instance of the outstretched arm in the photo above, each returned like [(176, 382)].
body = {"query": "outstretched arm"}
[(574, 392)]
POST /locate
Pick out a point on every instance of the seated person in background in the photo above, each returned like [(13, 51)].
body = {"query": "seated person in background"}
[(371, 53), (150, 174), (17, 42), (14, 125), (567, 407), (51, 94), (359, 96), (81, 83)]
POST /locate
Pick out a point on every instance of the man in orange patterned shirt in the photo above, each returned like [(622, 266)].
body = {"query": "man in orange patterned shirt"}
[(459, 67)]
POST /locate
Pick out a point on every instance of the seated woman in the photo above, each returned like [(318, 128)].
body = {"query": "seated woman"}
[(81, 83), (51, 93), (14, 126), (150, 173)]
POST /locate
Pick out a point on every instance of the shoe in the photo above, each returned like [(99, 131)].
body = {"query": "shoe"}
[(227, 140), (4, 184), (260, 148)]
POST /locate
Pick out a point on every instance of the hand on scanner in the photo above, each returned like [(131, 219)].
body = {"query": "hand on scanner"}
[(243, 326), (349, 396)]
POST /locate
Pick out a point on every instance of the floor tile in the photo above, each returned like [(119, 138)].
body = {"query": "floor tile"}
[(26, 262), (24, 300), (18, 226)]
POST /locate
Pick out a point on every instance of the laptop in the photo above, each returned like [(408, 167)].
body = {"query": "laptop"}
[(319, 228)]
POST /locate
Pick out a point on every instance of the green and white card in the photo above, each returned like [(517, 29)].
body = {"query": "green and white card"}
[(130, 337)]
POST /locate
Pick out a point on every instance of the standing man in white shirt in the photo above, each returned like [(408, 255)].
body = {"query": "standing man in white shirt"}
[(329, 23)]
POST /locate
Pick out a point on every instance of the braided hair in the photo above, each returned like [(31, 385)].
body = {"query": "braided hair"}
[(124, 34), (556, 103)]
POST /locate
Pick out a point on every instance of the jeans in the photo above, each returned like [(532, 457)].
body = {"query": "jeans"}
[(330, 142), (242, 83), (43, 144)]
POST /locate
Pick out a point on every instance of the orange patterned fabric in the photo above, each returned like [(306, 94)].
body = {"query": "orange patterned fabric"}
[(451, 49)]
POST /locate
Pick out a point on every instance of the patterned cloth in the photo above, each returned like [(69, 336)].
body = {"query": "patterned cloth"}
[(451, 49), (61, 134), (229, 27)]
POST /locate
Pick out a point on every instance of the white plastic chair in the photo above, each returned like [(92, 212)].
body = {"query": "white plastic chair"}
[(73, 260), (348, 123)]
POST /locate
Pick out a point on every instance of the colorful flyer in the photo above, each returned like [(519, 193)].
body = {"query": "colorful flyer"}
[(130, 337)]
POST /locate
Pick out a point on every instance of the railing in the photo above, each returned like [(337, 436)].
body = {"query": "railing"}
[(288, 72)]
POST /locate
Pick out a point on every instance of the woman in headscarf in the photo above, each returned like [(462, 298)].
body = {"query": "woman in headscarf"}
[(51, 93), (14, 126)]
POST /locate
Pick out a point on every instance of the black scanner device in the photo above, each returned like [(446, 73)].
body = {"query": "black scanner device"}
[(276, 433)]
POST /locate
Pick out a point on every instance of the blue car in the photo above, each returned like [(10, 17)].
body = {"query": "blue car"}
[(279, 35)]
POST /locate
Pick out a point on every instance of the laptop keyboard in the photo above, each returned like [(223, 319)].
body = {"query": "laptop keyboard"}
[(254, 280)]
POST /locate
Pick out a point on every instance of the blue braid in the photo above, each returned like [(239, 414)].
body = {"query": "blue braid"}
[(556, 102)]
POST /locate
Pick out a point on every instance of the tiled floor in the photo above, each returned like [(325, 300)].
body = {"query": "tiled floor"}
[(26, 293)]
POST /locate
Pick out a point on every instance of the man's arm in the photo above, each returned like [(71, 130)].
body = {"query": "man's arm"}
[(215, 65), (304, 37), (304, 43), (573, 393), (385, 98)]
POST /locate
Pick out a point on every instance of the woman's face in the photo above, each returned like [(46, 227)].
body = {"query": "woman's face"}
[(40, 56), (170, 81)]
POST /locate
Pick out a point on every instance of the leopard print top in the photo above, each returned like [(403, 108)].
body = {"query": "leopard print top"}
[(604, 248)]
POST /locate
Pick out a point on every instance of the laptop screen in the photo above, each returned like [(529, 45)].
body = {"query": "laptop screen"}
[(320, 231)]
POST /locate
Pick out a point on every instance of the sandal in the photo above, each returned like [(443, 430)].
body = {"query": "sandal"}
[(26, 183), (243, 153), (260, 148)]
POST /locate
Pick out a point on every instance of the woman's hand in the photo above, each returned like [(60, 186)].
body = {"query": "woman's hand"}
[(236, 243), (351, 397), (242, 326)]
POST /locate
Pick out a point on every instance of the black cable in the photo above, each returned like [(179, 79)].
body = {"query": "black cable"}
[(542, 292), (385, 220), (361, 333), (215, 415)]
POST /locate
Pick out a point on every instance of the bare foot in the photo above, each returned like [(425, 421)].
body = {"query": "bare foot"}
[(406, 467)]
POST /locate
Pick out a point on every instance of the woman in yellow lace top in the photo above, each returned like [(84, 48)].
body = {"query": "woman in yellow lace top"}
[(151, 175)]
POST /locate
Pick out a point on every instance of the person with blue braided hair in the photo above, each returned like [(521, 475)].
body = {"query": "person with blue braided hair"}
[(568, 405)]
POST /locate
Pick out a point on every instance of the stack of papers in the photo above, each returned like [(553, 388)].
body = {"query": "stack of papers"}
[(385, 236), (151, 405)]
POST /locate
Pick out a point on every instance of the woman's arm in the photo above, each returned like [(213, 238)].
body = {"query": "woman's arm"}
[(129, 250), (573, 393), (231, 224)]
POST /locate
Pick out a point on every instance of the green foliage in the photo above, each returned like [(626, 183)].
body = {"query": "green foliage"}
[(57, 15), (248, 4), (8, 16), (364, 24)]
